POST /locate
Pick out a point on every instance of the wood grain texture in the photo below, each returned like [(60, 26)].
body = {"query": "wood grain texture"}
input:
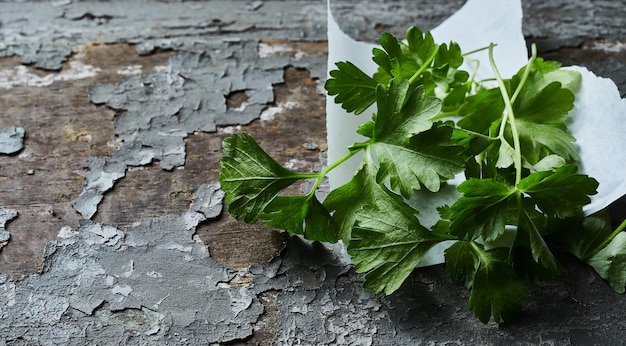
[(63, 128)]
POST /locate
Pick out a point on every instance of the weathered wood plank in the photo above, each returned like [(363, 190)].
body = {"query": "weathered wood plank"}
[(304, 293)]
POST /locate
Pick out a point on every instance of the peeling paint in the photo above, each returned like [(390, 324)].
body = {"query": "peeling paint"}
[(154, 282), (609, 46), (161, 108), (66, 232), (159, 26), (11, 140), (21, 75), (129, 70), (142, 298), (270, 112), (207, 199), (99, 180), (6, 215), (267, 50), (141, 320)]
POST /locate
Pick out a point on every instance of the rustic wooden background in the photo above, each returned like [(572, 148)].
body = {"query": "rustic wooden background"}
[(63, 128)]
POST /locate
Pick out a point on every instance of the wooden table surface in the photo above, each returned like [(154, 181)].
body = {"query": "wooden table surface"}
[(75, 76)]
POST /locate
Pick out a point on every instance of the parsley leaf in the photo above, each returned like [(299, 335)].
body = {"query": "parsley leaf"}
[(388, 242), (482, 210), (403, 111), (481, 110), (349, 198), (595, 242), (583, 237), (426, 159), (522, 199), (496, 291), (422, 62), (410, 156), (303, 215), (462, 262), (610, 262), (354, 89), (541, 112), (250, 178), (530, 236), (562, 192), (399, 60)]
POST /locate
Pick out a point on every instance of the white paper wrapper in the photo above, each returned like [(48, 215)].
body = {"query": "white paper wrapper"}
[(598, 120), (599, 125)]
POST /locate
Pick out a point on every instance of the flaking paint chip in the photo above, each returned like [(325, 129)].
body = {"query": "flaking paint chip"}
[(11, 140)]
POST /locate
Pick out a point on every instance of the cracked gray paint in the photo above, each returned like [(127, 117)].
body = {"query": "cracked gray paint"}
[(100, 179), (153, 283), (108, 286), (150, 25), (160, 109), (11, 140), (6, 215), (207, 199)]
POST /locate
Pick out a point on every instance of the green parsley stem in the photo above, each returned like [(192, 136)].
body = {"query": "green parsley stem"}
[(483, 81), (606, 241), (319, 177), (533, 56), (476, 61), (443, 115), (339, 161), (424, 66), (478, 50), (480, 252), (472, 79), (478, 134), (509, 117)]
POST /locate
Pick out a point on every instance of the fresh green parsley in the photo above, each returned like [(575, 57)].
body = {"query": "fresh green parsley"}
[(433, 121)]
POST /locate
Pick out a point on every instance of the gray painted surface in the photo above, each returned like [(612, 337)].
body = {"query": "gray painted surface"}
[(6, 215), (11, 140), (154, 283)]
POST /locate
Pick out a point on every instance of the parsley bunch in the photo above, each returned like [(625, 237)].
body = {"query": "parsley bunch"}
[(521, 201)]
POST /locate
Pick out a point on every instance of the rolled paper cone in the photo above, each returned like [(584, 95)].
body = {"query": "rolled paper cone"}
[(469, 27), (598, 120), (340, 125)]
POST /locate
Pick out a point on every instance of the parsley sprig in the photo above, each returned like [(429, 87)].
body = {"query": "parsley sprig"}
[(522, 200)]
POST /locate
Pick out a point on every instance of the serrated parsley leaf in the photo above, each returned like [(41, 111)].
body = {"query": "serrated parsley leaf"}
[(528, 232), (552, 72), (442, 226), (352, 88), (388, 242), (536, 137), (403, 111), (424, 63), (462, 262), (610, 263), (559, 193), (481, 110), (482, 210), (541, 113), (250, 178), (583, 238), (410, 152), (303, 215), (401, 60), (496, 291), (425, 159), (349, 198)]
